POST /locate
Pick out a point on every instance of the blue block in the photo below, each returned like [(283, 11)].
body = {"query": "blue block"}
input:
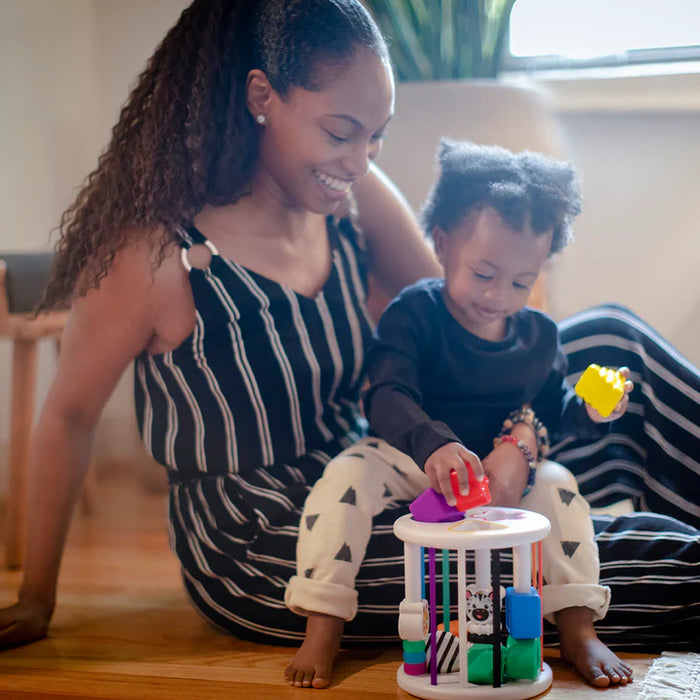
[(414, 657), (523, 614)]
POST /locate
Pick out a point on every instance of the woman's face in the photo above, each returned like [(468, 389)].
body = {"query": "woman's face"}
[(314, 145)]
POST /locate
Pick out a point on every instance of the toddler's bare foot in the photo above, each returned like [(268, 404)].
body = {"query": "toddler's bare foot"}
[(312, 665), (580, 646)]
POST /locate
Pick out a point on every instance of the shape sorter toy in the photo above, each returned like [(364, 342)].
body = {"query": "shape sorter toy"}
[(478, 657)]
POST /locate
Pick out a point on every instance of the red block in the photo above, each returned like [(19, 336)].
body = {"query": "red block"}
[(478, 491)]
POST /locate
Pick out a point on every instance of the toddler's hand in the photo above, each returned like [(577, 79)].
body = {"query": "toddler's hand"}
[(621, 407), (452, 456)]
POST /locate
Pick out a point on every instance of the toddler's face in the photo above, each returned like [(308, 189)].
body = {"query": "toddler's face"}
[(489, 270)]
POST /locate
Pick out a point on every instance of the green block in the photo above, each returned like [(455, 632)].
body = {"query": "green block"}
[(413, 646), (523, 658), (480, 664)]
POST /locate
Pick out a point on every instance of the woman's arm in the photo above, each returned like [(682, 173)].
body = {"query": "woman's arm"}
[(399, 254), (105, 330)]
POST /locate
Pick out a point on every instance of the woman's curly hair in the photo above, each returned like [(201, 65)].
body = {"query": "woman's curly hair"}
[(185, 137), (524, 188)]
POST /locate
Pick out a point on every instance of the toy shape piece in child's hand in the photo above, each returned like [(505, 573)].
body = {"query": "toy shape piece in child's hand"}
[(602, 388), (478, 491), (431, 507)]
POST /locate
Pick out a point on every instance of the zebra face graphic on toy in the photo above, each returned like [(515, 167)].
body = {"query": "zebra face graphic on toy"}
[(480, 611)]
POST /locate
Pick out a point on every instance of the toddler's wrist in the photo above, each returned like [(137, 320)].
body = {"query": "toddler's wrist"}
[(524, 423), (525, 431)]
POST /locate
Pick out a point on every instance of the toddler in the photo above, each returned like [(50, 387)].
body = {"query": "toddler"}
[(463, 372)]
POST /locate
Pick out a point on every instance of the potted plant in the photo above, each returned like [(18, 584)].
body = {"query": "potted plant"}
[(447, 56)]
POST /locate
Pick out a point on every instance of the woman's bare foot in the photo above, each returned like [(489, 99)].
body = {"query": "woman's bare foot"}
[(580, 646), (312, 665)]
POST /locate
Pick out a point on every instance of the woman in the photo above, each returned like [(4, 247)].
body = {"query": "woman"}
[(212, 245)]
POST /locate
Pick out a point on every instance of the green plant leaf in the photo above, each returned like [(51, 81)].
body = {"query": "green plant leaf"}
[(442, 39)]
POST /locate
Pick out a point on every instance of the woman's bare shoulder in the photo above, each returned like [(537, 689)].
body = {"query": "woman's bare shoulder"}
[(146, 292), (137, 306)]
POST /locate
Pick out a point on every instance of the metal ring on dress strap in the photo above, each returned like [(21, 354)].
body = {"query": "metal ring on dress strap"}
[(211, 247), (185, 260)]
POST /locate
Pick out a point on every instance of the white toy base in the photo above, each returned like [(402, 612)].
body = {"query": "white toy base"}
[(449, 687)]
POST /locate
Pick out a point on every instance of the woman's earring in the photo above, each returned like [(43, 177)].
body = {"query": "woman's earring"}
[(260, 119)]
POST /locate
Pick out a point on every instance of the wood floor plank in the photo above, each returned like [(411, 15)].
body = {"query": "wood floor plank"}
[(123, 628)]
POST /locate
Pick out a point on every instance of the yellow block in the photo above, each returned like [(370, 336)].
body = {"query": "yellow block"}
[(601, 387)]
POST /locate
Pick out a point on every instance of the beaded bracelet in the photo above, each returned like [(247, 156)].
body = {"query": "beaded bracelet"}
[(531, 461), (527, 415)]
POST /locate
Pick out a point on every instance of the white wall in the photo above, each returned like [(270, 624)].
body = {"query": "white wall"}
[(638, 238), (66, 67), (49, 98)]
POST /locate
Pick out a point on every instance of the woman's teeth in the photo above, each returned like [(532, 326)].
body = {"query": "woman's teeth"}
[(333, 182)]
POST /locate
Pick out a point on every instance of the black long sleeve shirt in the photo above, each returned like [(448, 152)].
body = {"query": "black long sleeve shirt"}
[(433, 382)]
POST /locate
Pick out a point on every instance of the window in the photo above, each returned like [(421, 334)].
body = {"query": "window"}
[(551, 34)]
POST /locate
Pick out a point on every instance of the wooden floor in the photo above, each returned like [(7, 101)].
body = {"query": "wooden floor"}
[(124, 629)]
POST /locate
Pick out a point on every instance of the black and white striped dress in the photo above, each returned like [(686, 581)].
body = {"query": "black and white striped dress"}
[(248, 410)]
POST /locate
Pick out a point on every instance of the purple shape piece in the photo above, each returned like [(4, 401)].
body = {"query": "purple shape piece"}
[(431, 507), (433, 617)]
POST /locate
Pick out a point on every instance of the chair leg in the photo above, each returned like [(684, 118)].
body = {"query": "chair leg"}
[(24, 371)]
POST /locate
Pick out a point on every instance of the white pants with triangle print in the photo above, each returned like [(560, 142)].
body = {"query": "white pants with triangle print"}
[(371, 476)]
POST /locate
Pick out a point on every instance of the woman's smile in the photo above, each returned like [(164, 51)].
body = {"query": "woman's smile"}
[(337, 186)]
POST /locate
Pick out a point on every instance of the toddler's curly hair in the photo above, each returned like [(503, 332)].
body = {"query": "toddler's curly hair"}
[(524, 188)]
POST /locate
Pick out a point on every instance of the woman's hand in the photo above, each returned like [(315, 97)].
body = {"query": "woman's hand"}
[(24, 622), (453, 456), (621, 407)]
